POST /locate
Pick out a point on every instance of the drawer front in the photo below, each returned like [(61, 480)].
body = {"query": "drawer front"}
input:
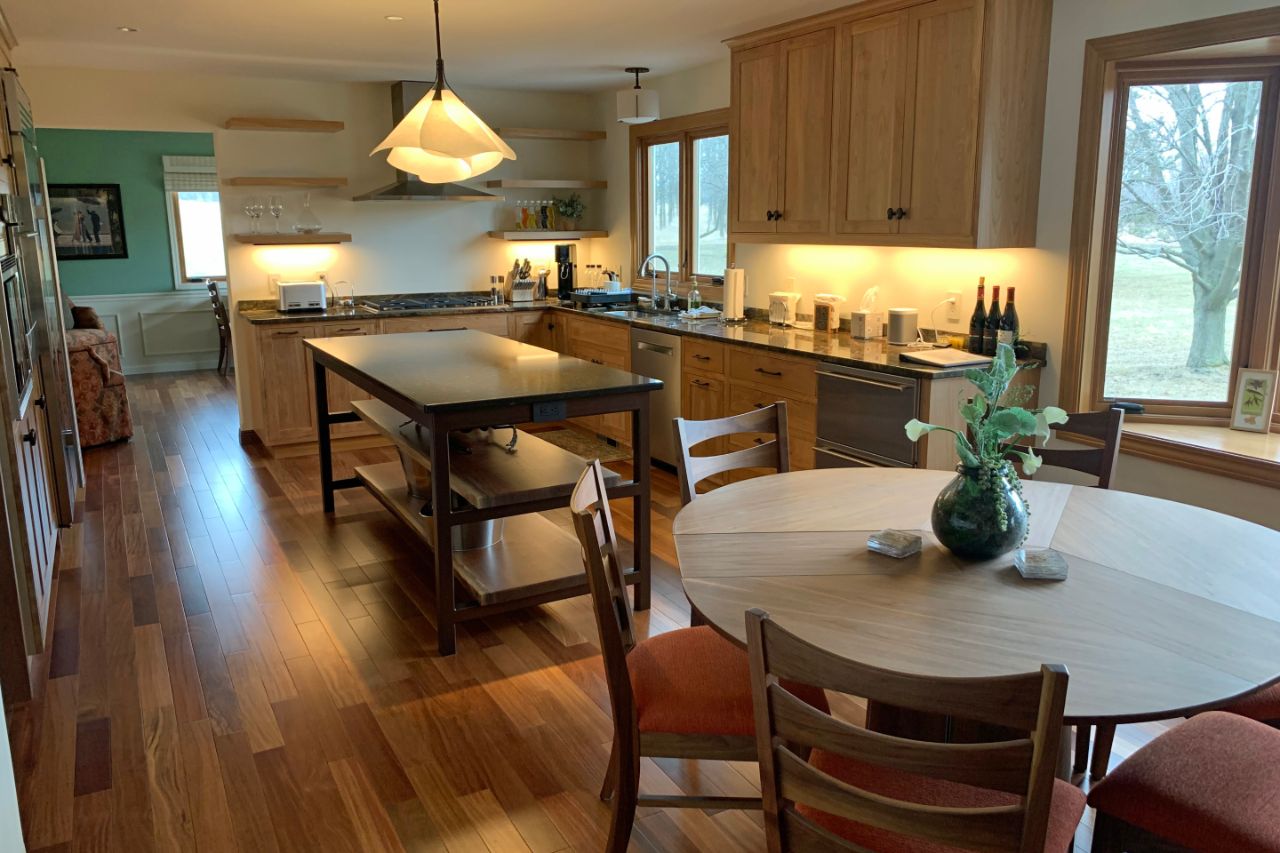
[(597, 354), (802, 416), (345, 330), (600, 332), (707, 356), (494, 324), (792, 377)]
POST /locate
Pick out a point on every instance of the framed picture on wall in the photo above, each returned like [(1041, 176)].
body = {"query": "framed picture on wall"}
[(88, 221), (1255, 400)]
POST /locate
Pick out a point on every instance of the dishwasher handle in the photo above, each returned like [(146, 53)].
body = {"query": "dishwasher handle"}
[(659, 349), (891, 386)]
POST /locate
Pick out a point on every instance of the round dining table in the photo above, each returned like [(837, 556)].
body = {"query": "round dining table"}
[(1167, 608)]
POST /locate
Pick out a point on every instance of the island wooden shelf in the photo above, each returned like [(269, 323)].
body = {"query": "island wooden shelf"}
[(517, 236), (292, 239), (288, 125), (297, 183), (546, 184), (552, 133)]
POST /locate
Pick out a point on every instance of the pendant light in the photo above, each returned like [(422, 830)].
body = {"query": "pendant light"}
[(441, 139), (636, 105)]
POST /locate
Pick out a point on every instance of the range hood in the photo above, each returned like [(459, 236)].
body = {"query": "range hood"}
[(404, 97)]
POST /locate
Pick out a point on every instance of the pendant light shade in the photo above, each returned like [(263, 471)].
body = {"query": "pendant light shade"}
[(636, 105), (441, 140)]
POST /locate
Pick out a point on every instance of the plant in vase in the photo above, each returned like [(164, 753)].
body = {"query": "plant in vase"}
[(982, 513), (570, 210)]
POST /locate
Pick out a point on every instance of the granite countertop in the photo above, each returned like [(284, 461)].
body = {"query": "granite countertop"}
[(840, 348)]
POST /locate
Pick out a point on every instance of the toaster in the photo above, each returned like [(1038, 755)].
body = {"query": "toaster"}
[(302, 296)]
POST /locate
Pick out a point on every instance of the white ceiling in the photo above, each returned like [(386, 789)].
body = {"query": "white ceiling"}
[(519, 44)]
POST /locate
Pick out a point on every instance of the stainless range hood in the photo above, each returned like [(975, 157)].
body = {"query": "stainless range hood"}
[(404, 97)]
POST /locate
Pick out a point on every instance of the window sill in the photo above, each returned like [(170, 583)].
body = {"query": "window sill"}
[(1249, 456)]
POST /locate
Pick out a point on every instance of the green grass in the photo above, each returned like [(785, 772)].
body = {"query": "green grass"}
[(1150, 336)]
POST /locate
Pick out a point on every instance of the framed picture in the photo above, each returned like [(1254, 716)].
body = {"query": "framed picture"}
[(88, 221), (1255, 400)]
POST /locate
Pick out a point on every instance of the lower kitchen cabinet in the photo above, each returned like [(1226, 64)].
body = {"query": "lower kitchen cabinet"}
[(605, 343), (494, 324), (287, 402), (341, 392), (538, 328)]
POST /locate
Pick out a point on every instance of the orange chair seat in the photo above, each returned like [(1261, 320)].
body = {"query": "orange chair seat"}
[(694, 681), (1263, 705), (1213, 784), (1064, 815)]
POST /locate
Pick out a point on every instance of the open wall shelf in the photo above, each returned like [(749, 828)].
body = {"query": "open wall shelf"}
[(547, 184), (290, 125), (297, 183), (518, 236), (292, 239), (552, 133)]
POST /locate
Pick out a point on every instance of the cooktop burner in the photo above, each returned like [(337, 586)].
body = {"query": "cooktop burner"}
[(418, 303)]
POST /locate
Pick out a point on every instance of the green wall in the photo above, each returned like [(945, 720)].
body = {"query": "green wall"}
[(132, 160)]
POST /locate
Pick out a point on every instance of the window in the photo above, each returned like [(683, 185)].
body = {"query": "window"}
[(1188, 185), (196, 219), (682, 193)]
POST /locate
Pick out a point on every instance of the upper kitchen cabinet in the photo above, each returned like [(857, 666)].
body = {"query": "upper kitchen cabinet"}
[(925, 131), (780, 136)]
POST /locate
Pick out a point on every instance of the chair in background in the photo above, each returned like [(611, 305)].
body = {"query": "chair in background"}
[(773, 453), (1209, 784), (682, 694), (224, 327), (861, 790), (97, 382)]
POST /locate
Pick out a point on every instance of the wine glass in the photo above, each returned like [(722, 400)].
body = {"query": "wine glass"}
[(250, 205), (275, 205)]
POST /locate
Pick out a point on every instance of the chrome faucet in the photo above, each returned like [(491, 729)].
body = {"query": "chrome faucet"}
[(668, 298)]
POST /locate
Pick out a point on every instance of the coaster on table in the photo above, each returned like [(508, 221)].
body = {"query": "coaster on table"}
[(894, 543), (1040, 564)]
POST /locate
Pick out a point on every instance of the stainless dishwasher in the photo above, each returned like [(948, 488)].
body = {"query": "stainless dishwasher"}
[(657, 355), (861, 418)]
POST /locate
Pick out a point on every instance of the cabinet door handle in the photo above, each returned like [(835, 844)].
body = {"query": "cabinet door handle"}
[(701, 357), (761, 405), (30, 437), (900, 213), (597, 361), (759, 440), (768, 214), (890, 214), (40, 401), (284, 334), (453, 329), (340, 331), (768, 372), (702, 383), (777, 214)]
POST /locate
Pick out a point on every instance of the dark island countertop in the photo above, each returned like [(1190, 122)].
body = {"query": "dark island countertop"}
[(840, 348)]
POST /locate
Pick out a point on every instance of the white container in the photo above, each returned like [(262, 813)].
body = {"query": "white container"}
[(826, 312), (866, 325), (782, 307), (903, 324)]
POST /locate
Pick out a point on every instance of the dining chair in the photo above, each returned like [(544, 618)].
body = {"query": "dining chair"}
[(224, 327), (1209, 784), (682, 694), (1263, 706), (765, 453), (862, 790)]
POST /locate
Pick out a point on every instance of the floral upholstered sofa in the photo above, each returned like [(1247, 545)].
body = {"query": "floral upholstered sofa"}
[(97, 384)]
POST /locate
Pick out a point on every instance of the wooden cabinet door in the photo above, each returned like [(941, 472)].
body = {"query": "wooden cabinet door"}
[(755, 138), (288, 404), (808, 65), (530, 327), (39, 526), (940, 157), (342, 392), (870, 100)]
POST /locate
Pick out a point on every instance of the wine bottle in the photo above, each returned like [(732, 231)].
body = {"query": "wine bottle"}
[(978, 320), (991, 331), (1009, 321)]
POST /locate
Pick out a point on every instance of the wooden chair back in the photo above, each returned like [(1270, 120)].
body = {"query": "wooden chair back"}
[(787, 727), (1099, 461), (774, 453), (219, 309), (593, 522)]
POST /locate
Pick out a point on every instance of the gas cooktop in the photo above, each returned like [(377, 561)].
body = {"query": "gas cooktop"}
[(419, 303)]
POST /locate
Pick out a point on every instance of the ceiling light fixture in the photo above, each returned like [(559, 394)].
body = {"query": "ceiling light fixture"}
[(127, 29), (441, 139), (636, 105), (394, 18)]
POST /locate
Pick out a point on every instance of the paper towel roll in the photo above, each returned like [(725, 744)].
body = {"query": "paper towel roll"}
[(735, 293)]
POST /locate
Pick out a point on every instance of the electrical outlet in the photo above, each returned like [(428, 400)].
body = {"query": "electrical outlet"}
[(953, 307)]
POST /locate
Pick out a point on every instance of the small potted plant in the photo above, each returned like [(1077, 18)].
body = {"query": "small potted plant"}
[(570, 210), (981, 513)]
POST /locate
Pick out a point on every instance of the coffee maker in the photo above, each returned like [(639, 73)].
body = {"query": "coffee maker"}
[(566, 269)]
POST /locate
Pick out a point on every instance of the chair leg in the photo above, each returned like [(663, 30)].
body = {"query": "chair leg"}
[(1108, 834), (610, 775), (695, 617), (1102, 741), (1081, 760), (625, 798)]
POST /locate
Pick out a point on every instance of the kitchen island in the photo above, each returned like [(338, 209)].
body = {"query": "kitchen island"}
[(440, 393)]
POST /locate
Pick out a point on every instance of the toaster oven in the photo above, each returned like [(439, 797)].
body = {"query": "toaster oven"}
[(302, 296)]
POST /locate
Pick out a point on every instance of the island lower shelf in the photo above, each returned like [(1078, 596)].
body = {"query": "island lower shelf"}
[(535, 557)]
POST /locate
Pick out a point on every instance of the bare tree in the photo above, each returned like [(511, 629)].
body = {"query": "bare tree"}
[(1184, 197)]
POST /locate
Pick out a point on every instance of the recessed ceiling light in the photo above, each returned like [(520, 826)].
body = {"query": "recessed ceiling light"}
[(395, 18), (127, 29)]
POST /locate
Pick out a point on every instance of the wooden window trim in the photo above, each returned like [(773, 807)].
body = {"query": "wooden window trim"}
[(683, 129), (1093, 152)]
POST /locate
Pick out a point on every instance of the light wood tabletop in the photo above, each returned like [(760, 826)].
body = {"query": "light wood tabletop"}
[(1167, 608)]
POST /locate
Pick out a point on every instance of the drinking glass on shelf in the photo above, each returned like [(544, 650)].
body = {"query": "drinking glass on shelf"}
[(251, 204), (275, 205)]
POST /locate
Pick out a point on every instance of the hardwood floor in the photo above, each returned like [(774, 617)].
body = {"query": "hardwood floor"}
[(232, 670)]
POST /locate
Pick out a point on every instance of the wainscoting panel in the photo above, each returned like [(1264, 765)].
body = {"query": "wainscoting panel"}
[(160, 332)]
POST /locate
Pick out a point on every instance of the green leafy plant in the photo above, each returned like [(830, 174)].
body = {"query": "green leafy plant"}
[(995, 428), (571, 207)]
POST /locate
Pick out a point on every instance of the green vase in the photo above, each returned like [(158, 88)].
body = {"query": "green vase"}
[(980, 514)]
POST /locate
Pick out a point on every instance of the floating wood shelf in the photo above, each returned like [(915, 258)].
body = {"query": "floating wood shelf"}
[(292, 239), (290, 183), (548, 184), (552, 133), (546, 235), (294, 125)]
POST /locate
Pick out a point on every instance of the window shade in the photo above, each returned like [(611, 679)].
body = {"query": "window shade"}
[(190, 174)]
